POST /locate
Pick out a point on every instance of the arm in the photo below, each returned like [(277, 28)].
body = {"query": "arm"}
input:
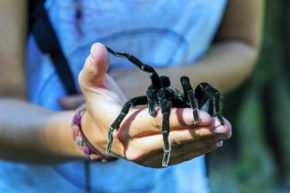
[(25, 129), (33, 134), (231, 57)]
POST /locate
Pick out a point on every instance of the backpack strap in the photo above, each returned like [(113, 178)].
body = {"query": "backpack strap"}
[(48, 43)]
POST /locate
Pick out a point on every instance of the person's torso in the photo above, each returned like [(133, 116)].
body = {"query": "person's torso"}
[(160, 33)]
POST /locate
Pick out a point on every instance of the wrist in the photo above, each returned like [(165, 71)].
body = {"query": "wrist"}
[(92, 132), (88, 136)]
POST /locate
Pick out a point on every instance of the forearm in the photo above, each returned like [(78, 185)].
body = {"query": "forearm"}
[(33, 134), (225, 66)]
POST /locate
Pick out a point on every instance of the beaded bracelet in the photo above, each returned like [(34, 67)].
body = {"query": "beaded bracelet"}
[(82, 141)]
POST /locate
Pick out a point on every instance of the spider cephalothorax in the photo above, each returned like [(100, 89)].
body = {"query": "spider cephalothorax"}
[(161, 94)]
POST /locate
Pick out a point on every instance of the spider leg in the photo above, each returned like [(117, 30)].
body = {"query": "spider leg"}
[(190, 97), (141, 100), (165, 105), (151, 97), (133, 59), (144, 67), (206, 93)]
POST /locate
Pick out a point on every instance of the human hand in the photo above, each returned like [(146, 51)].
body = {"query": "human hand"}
[(138, 138), (124, 76)]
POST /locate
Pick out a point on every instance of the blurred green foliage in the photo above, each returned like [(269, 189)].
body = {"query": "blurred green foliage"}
[(257, 158)]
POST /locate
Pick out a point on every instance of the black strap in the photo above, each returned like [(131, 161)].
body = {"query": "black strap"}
[(48, 43)]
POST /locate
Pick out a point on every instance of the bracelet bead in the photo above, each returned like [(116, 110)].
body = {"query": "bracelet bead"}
[(82, 141)]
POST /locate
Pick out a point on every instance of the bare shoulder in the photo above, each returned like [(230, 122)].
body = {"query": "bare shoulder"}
[(13, 14), (242, 21)]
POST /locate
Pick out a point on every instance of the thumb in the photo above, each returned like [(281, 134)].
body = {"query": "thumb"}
[(95, 68)]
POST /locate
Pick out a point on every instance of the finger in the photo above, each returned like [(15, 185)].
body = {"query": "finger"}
[(71, 102), (138, 123), (225, 129), (93, 79), (200, 137), (194, 154), (95, 67), (179, 150), (182, 118), (139, 147), (195, 144), (153, 159)]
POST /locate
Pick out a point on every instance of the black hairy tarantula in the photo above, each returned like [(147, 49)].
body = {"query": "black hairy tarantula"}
[(161, 94)]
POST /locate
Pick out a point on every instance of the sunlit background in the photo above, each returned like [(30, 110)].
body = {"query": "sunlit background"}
[(257, 158)]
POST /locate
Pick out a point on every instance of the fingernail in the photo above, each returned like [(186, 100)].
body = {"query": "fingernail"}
[(220, 143), (91, 58), (90, 65), (220, 129)]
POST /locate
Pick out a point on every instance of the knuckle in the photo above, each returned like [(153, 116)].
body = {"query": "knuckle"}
[(173, 140), (156, 122), (201, 132)]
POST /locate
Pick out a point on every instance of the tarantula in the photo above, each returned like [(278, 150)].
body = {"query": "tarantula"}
[(161, 94)]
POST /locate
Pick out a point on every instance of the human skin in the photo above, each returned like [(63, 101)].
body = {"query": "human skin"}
[(39, 139)]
